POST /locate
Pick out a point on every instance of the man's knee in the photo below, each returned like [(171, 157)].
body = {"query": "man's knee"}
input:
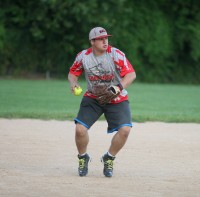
[(80, 130), (124, 131)]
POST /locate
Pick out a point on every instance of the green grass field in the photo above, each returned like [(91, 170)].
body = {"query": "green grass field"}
[(52, 99)]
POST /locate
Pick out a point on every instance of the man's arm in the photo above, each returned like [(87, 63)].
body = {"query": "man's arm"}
[(128, 79), (73, 80)]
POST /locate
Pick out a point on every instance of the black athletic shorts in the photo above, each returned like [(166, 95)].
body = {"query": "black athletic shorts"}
[(117, 115)]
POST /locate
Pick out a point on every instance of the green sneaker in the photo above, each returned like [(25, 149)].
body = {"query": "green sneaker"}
[(83, 165), (108, 165)]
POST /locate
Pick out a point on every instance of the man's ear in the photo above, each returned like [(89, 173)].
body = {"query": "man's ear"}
[(92, 42)]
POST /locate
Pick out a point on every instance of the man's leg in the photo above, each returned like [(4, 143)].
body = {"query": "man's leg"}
[(83, 123), (82, 140), (119, 140), (117, 143)]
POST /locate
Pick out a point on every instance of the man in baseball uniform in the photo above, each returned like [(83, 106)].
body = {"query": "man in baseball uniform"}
[(108, 73)]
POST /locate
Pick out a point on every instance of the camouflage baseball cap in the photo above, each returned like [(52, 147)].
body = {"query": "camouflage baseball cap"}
[(98, 32)]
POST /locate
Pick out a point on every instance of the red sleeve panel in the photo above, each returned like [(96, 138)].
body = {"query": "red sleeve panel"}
[(77, 68), (123, 64)]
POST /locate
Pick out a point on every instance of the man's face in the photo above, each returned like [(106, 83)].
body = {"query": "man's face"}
[(100, 44)]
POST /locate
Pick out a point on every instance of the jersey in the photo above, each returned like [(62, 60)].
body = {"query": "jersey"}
[(107, 69)]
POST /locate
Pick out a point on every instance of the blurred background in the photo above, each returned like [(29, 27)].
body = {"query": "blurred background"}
[(41, 38)]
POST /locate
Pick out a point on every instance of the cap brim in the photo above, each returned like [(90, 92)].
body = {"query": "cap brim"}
[(105, 36)]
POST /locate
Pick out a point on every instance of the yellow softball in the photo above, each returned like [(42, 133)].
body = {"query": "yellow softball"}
[(77, 91)]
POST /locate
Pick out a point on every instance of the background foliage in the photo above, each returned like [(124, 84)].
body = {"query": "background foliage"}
[(161, 38)]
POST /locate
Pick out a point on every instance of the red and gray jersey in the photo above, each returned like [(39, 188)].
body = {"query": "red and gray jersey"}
[(107, 69)]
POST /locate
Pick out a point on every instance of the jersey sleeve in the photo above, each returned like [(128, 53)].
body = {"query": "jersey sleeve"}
[(122, 63), (77, 66)]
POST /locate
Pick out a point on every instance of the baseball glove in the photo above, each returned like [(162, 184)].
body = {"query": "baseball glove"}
[(105, 94)]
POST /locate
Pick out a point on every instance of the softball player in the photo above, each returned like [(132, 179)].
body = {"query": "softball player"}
[(107, 72)]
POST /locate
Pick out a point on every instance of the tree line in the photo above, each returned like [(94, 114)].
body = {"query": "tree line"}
[(160, 38)]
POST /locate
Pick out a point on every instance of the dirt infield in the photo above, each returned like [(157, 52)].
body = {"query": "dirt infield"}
[(38, 158)]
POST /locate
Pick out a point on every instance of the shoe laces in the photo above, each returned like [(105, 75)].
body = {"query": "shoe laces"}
[(109, 164), (81, 163)]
